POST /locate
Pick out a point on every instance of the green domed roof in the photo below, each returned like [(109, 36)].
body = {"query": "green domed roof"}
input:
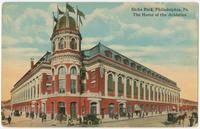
[(65, 22)]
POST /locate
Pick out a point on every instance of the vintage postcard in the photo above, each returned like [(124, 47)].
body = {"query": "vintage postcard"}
[(114, 64)]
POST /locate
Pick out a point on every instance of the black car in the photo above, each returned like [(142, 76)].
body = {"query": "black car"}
[(171, 117), (195, 115), (16, 113), (91, 119)]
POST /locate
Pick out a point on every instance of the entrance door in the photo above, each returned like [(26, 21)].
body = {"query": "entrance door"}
[(121, 108), (73, 110), (61, 107), (93, 108)]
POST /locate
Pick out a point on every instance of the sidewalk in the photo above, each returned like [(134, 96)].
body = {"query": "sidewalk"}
[(107, 120)]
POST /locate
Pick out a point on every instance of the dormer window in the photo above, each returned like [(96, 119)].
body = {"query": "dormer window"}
[(73, 44), (139, 67), (133, 65), (126, 62), (144, 70), (108, 53), (118, 58), (61, 44)]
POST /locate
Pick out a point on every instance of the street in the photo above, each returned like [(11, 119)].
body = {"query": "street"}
[(154, 121)]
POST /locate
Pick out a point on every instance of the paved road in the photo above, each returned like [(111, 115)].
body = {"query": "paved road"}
[(156, 121)]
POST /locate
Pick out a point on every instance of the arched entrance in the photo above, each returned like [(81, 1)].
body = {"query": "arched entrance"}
[(122, 109), (73, 110), (61, 107), (93, 108), (110, 109)]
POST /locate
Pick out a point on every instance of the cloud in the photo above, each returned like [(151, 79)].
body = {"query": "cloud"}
[(21, 52), (8, 40)]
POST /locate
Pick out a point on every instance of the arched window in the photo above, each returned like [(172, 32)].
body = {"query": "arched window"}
[(110, 83), (61, 71), (53, 46), (120, 88), (128, 87), (62, 80), (73, 44), (73, 71), (61, 44)]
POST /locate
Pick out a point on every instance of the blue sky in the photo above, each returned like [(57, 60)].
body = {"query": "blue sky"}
[(161, 43)]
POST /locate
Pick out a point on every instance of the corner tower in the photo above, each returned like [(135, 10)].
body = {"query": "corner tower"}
[(66, 53)]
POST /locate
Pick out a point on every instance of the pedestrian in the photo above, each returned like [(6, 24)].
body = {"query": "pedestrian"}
[(61, 117), (9, 119), (129, 115), (191, 121)]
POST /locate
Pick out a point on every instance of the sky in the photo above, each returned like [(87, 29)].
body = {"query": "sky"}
[(167, 45)]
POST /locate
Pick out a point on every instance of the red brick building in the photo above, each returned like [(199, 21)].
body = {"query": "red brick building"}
[(188, 105), (6, 104), (98, 80)]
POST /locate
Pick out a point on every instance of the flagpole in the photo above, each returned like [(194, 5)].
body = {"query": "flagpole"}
[(53, 20), (77, 16)]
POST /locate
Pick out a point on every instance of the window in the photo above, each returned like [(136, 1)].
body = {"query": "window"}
[(73, 86), (135, 89), (73, 71), (126, 62), (120, 88), (128, 87), (93, 75), (52, 72), (49, 77), (53, 46), (118, 58), (133, 65), (93, 78), (159, 95), (110, 83), (151, 92), (108, 53), (61, 44), (146, 92), (73, 44), (62, 83), (61, 72), (141, 90), (155, 93), (139, 67)]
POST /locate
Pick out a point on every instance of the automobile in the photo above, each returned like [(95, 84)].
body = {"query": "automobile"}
[(91, 119), (171, 117), (2, 116), (195, 115), (16, 113)]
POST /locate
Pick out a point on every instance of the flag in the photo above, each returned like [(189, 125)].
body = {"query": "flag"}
[(80, 13), (80, 20), (54, 18), (70, 8), (59, 11)]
